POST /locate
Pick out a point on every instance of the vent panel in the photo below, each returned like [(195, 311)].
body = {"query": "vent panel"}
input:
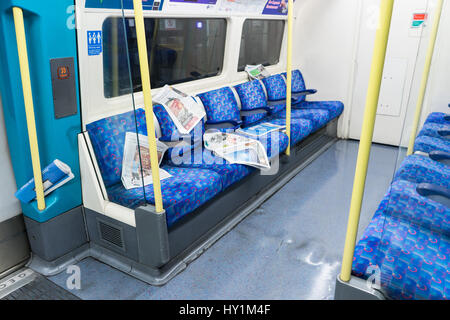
[(111, 234)]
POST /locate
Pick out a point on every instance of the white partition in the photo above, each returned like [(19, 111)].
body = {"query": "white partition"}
[(9, 205)]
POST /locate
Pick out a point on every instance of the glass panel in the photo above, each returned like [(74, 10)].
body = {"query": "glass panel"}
[(111, 136), (261, 42), (179, 49)]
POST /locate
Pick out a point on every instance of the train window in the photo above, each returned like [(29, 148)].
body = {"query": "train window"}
[(180, 50), (261, 42)]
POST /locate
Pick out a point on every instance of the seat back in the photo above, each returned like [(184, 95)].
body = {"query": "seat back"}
[(220, 106), (253, 101)]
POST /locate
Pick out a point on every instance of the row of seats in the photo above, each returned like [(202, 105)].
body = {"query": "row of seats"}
[(197, 174), (408, 237)]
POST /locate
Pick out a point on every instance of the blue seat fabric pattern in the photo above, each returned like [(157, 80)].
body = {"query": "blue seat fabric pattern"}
[(434, 129), (428, 144), (184, 192), (318, 118), (220, 105), (438, 117), (421, 169)]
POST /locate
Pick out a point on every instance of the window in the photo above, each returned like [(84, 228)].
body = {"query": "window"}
[(180, 50), (261, 42)]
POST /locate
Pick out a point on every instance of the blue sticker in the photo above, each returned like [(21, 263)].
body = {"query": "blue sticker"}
[(94, 41)]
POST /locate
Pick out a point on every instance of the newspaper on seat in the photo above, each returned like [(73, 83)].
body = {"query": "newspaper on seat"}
[(256, 72), (131, 164), (260, 129), (237, 149), (185, 112)]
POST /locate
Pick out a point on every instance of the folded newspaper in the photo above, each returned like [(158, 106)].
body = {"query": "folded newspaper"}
[(131, 165), (54, 176), (237, 149), (185, 112), (256, 72), (260, 129)]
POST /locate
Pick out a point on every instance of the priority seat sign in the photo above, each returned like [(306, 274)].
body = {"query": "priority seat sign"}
[(94, 43)]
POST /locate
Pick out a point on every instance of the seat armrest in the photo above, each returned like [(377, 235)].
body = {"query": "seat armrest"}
[(444, 133), (439, 155), (236, 123), (434, 192), (305, 92)]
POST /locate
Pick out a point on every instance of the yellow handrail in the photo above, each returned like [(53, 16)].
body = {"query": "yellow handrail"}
[(29, 108), (365, 144), (425, 76), (148, 103), (289, 75)]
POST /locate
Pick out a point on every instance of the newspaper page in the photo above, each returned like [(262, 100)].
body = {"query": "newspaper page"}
[(256, 72), (260, 129), (185, 112), (237, 149), (131, 165)]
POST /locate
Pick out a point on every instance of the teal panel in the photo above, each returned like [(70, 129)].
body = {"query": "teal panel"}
[(50, 34)]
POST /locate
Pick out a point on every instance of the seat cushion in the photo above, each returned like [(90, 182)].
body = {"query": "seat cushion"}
[(335, 108), (319, 118), (220, 105), (413, 262), (427, 144), (202, 158), (275, 87), (300, 128), (274, 143), (438, 117), (419, 169), (184, 192), (433, 130), (108, 139)]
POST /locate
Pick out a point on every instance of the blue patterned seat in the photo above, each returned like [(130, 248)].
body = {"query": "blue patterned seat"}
[(335, 108), (253, 99), (434, 130), (438, 117), (276, 90), (406, 203), (108, 139), (428, 144), (318, 118), (184, 192), (413, 261), (275, 143), (421, 169), (221, 106), (275, 87), (300, 128)]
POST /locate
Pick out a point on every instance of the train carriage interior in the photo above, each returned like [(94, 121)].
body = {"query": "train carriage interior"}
[(224, 150)]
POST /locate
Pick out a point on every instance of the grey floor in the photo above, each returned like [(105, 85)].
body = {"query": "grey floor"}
[(289, 248)]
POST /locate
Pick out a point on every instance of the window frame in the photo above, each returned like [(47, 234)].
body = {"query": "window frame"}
[(282, 42), (222, 67)]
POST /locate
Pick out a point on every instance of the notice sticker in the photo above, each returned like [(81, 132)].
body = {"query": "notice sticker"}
[(94, 42), (419, 19)]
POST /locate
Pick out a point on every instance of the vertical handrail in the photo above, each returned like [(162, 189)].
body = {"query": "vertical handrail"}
[(425, 76), (29, 108), (148, 102), (289, 75), (365, 144)]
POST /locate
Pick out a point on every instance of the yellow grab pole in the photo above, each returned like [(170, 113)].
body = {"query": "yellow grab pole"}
[(289, 75), (29, 108), (147, 90), (373, 94), (425, 76)]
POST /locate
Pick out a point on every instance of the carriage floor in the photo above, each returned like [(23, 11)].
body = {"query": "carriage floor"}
[(289, 248)]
